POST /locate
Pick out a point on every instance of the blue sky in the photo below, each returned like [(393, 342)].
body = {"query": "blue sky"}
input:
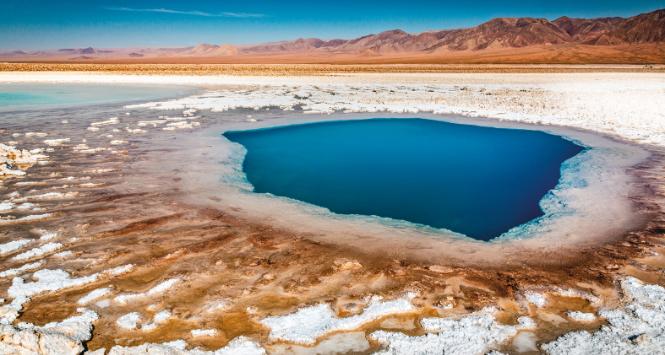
[(31, 24)]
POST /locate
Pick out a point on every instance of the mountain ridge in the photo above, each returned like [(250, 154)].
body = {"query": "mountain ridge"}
[(502, 35)]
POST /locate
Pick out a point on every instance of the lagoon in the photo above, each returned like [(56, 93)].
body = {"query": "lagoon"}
[(472, 180)]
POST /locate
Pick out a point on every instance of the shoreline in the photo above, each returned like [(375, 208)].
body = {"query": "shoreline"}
[(351, 230)]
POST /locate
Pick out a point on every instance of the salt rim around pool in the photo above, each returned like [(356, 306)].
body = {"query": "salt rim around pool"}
[(590, 204)]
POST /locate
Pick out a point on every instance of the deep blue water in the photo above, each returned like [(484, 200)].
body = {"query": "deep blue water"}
[(478, 181)]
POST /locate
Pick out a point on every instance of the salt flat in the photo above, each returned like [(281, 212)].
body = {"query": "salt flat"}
[(174, 276)]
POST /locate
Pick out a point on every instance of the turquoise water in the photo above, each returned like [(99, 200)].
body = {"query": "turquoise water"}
[(478, 181), (18, 97)]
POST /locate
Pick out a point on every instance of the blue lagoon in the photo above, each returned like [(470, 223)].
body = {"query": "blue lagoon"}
[(472, 180)]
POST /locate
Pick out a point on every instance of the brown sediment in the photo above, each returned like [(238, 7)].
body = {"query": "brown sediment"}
[(260, 269)]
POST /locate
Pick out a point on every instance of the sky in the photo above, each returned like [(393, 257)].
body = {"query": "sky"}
[(52, 24)]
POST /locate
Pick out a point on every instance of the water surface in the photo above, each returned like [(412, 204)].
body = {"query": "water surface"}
[(478, 181), (22, 96)]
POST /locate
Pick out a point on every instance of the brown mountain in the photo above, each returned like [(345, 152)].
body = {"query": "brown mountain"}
[(637, 39), (495, 34)]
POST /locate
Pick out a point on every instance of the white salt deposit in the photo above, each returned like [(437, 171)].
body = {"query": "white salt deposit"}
[(154, 291), (203, 332), (77, 327), (129, 321), (581, 316), (238, 346), (63, 254), (94, 295), (536, 299), (50, 196), (473, 334), (23, 268), (158, 319), (637, 328), (56, 142), (309, 323), (110, 121), (64, 337), (13, 245), (39, 251), (181, 125), (47, 280)]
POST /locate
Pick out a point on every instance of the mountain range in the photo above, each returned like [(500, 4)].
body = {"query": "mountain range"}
[(637, 39)]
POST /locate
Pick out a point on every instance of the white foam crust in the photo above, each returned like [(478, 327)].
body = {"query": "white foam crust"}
[(308, 324)]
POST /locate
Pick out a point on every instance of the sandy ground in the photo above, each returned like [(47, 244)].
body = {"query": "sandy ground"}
[(152, 257), (319, 69)]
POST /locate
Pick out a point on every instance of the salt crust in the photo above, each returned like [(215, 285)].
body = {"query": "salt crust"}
[(56, 142), (110, 121), (94, 295), (64, 337), (536, 299), (13, 245), (637, 328), (203, 332), (472, 334), (238, 346), (581, 316), (23, 268), (46, 280), (129, 321), (308, 324), (158, 319), (608, 104), (24, 219), (39, 251), (156, 290)]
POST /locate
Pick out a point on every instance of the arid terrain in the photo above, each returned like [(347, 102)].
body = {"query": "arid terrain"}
[(634, 40)]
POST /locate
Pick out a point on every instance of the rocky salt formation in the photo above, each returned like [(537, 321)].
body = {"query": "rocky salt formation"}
[(65, 337)]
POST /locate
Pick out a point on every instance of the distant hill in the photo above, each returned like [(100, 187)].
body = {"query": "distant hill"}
[(637, 39)]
